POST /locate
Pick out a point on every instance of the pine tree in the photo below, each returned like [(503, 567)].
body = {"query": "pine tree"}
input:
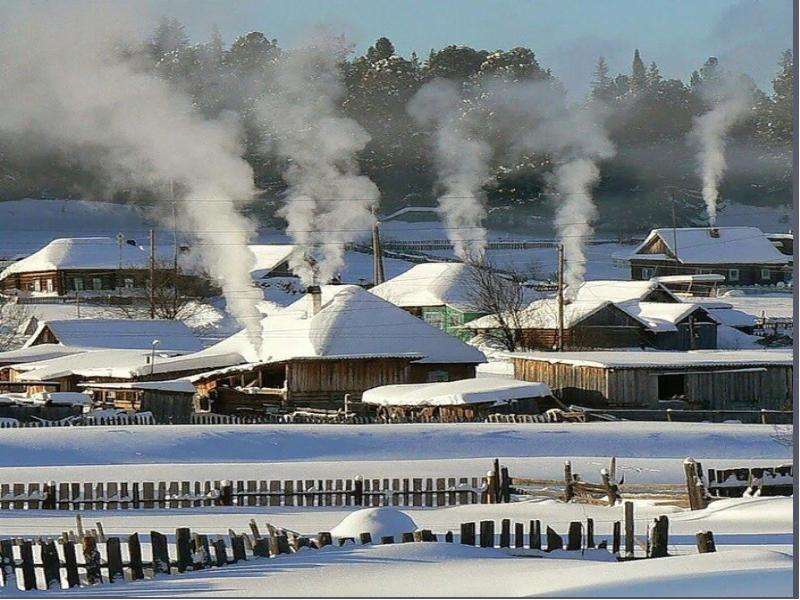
[(602, 85), (782, 121), (653, 75), (638, 74)]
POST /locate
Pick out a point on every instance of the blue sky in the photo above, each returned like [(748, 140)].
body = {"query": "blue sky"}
[(567, 35)]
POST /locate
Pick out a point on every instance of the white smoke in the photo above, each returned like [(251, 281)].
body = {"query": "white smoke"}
[(729, 104), (66, 85), (462, 164), (329, 203), (537, 119)]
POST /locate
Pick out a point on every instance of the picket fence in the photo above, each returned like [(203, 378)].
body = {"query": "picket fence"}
[(413, 492)]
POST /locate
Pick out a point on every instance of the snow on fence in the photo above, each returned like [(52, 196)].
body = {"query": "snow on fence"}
[(418, 492), (76, 560), (761, 481)]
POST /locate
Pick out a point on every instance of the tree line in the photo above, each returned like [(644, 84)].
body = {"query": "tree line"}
[(648, 117)]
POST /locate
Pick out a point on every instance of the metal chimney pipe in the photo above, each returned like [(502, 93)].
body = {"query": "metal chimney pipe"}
[(316, 298), (378, 275)]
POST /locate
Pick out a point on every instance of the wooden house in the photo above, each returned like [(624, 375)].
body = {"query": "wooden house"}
[(170, 401), (438, 293), (743, 255), (335, 342), (705, 379), (84, 265)]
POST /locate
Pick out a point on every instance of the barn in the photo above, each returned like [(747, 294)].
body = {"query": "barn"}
[(704, 379), (337, 341)]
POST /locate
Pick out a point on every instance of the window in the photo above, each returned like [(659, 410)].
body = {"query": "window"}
[(97, 283), (49, 285), (439, 375), (435, 319), (733, 274), (648, 272), (37, 285), (128, 282), (77, 284), (671, 386), (765, 274)]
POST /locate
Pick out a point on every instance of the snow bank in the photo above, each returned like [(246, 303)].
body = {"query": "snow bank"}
[(378, 522), (287, 443)]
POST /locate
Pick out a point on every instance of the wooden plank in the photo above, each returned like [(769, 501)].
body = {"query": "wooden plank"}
[(91, 561), (5, 491), (416, 498), (519, 535), (406, 489), (135, 557), (71, 565), (428, 492), (252, 488), (338, 499), (441, 485), (505, 533), (386, 488), (114, 558), (468, 534), (27, 565), (310, 498), (274, 489), (220, 553), (288, 491), (124, 492), (535, 535), (394, 498), (148, 494), (88, 494), (299, 489), (51, 565), (463, 497), (183, 538), (629, 529), (160, 552), (263, 488), (19, 490), (99, 496), (33, 489), (487, 534)]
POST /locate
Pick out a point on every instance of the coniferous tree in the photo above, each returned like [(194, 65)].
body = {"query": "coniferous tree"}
[(638, 81)]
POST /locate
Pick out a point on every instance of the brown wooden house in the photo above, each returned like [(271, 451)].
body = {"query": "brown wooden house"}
[(743, 255)]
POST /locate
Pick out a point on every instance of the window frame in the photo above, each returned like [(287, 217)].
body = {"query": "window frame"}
[(731, 277)]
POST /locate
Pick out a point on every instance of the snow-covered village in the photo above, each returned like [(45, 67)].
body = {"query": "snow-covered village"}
[(398, 299)]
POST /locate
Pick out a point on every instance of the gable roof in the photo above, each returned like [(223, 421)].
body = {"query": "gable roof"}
[(355, 323), (123, 334), (39, 352), (269, 256), (621, 291), (428, 284), (665, 358), (543, 314), (696, 245), (661, 316), (80, 253), (479, 390), (95, 363)]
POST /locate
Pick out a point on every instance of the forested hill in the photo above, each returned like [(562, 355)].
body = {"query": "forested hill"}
[(649, 119)]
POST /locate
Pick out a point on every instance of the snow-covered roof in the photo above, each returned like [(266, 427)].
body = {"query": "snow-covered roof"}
[(665, 359), (733, 317), (269, 256), (171, 385), (478, 390), (80, 253), (659, 316), (123, 334), (428, 284), (96, 363), (354, 322), (619, 291), (690, 278), (543, 314), (38, 352), (731, 245)]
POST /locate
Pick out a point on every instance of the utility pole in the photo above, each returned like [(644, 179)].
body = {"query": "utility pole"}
[(378, 274), (175, 246), (152, 274), (674, 226), (561, 297)]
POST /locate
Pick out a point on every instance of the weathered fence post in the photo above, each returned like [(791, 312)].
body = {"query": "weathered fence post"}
[(237, 547), (505, 533), (261, 547), (91, 560), (660, 537), (705, 542), (694, 485), (135, 557), (49, 502), (7, 560), (324, 539), (505, 485), (114, 557), (220, 554), (71, 564), (554, 541), (487, 534), (183, 545), (519, 535), (51, 564), (160, 551), (615, 544), (225, 493), (611, 488), (574, 536), (448, 537), (535, 535), (468, 534), (590, 533), (629, 529), (28, 566), (365, 538), (569, 490), (358, 491)]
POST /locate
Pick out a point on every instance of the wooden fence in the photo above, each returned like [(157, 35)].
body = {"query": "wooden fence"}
[(76, 560), (417, 491), (764, 481), (763, 416)]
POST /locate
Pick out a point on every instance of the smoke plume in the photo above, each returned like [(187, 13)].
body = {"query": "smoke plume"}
[(462, 164), (537, 119), (329, 203), (69, 81), (730, 102)]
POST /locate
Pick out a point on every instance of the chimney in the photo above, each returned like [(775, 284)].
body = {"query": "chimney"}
[(713, 232), (316, 298), (378, 275)]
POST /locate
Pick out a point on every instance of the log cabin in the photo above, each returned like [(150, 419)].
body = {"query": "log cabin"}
[(743, 255)]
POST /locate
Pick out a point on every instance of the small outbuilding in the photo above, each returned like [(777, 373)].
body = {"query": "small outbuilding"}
[(168, 401), (705, 379), (465, 399)]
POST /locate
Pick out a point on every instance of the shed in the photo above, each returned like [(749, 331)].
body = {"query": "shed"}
[(706, 379), (170, 401), (122, 334), (468, 399)]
